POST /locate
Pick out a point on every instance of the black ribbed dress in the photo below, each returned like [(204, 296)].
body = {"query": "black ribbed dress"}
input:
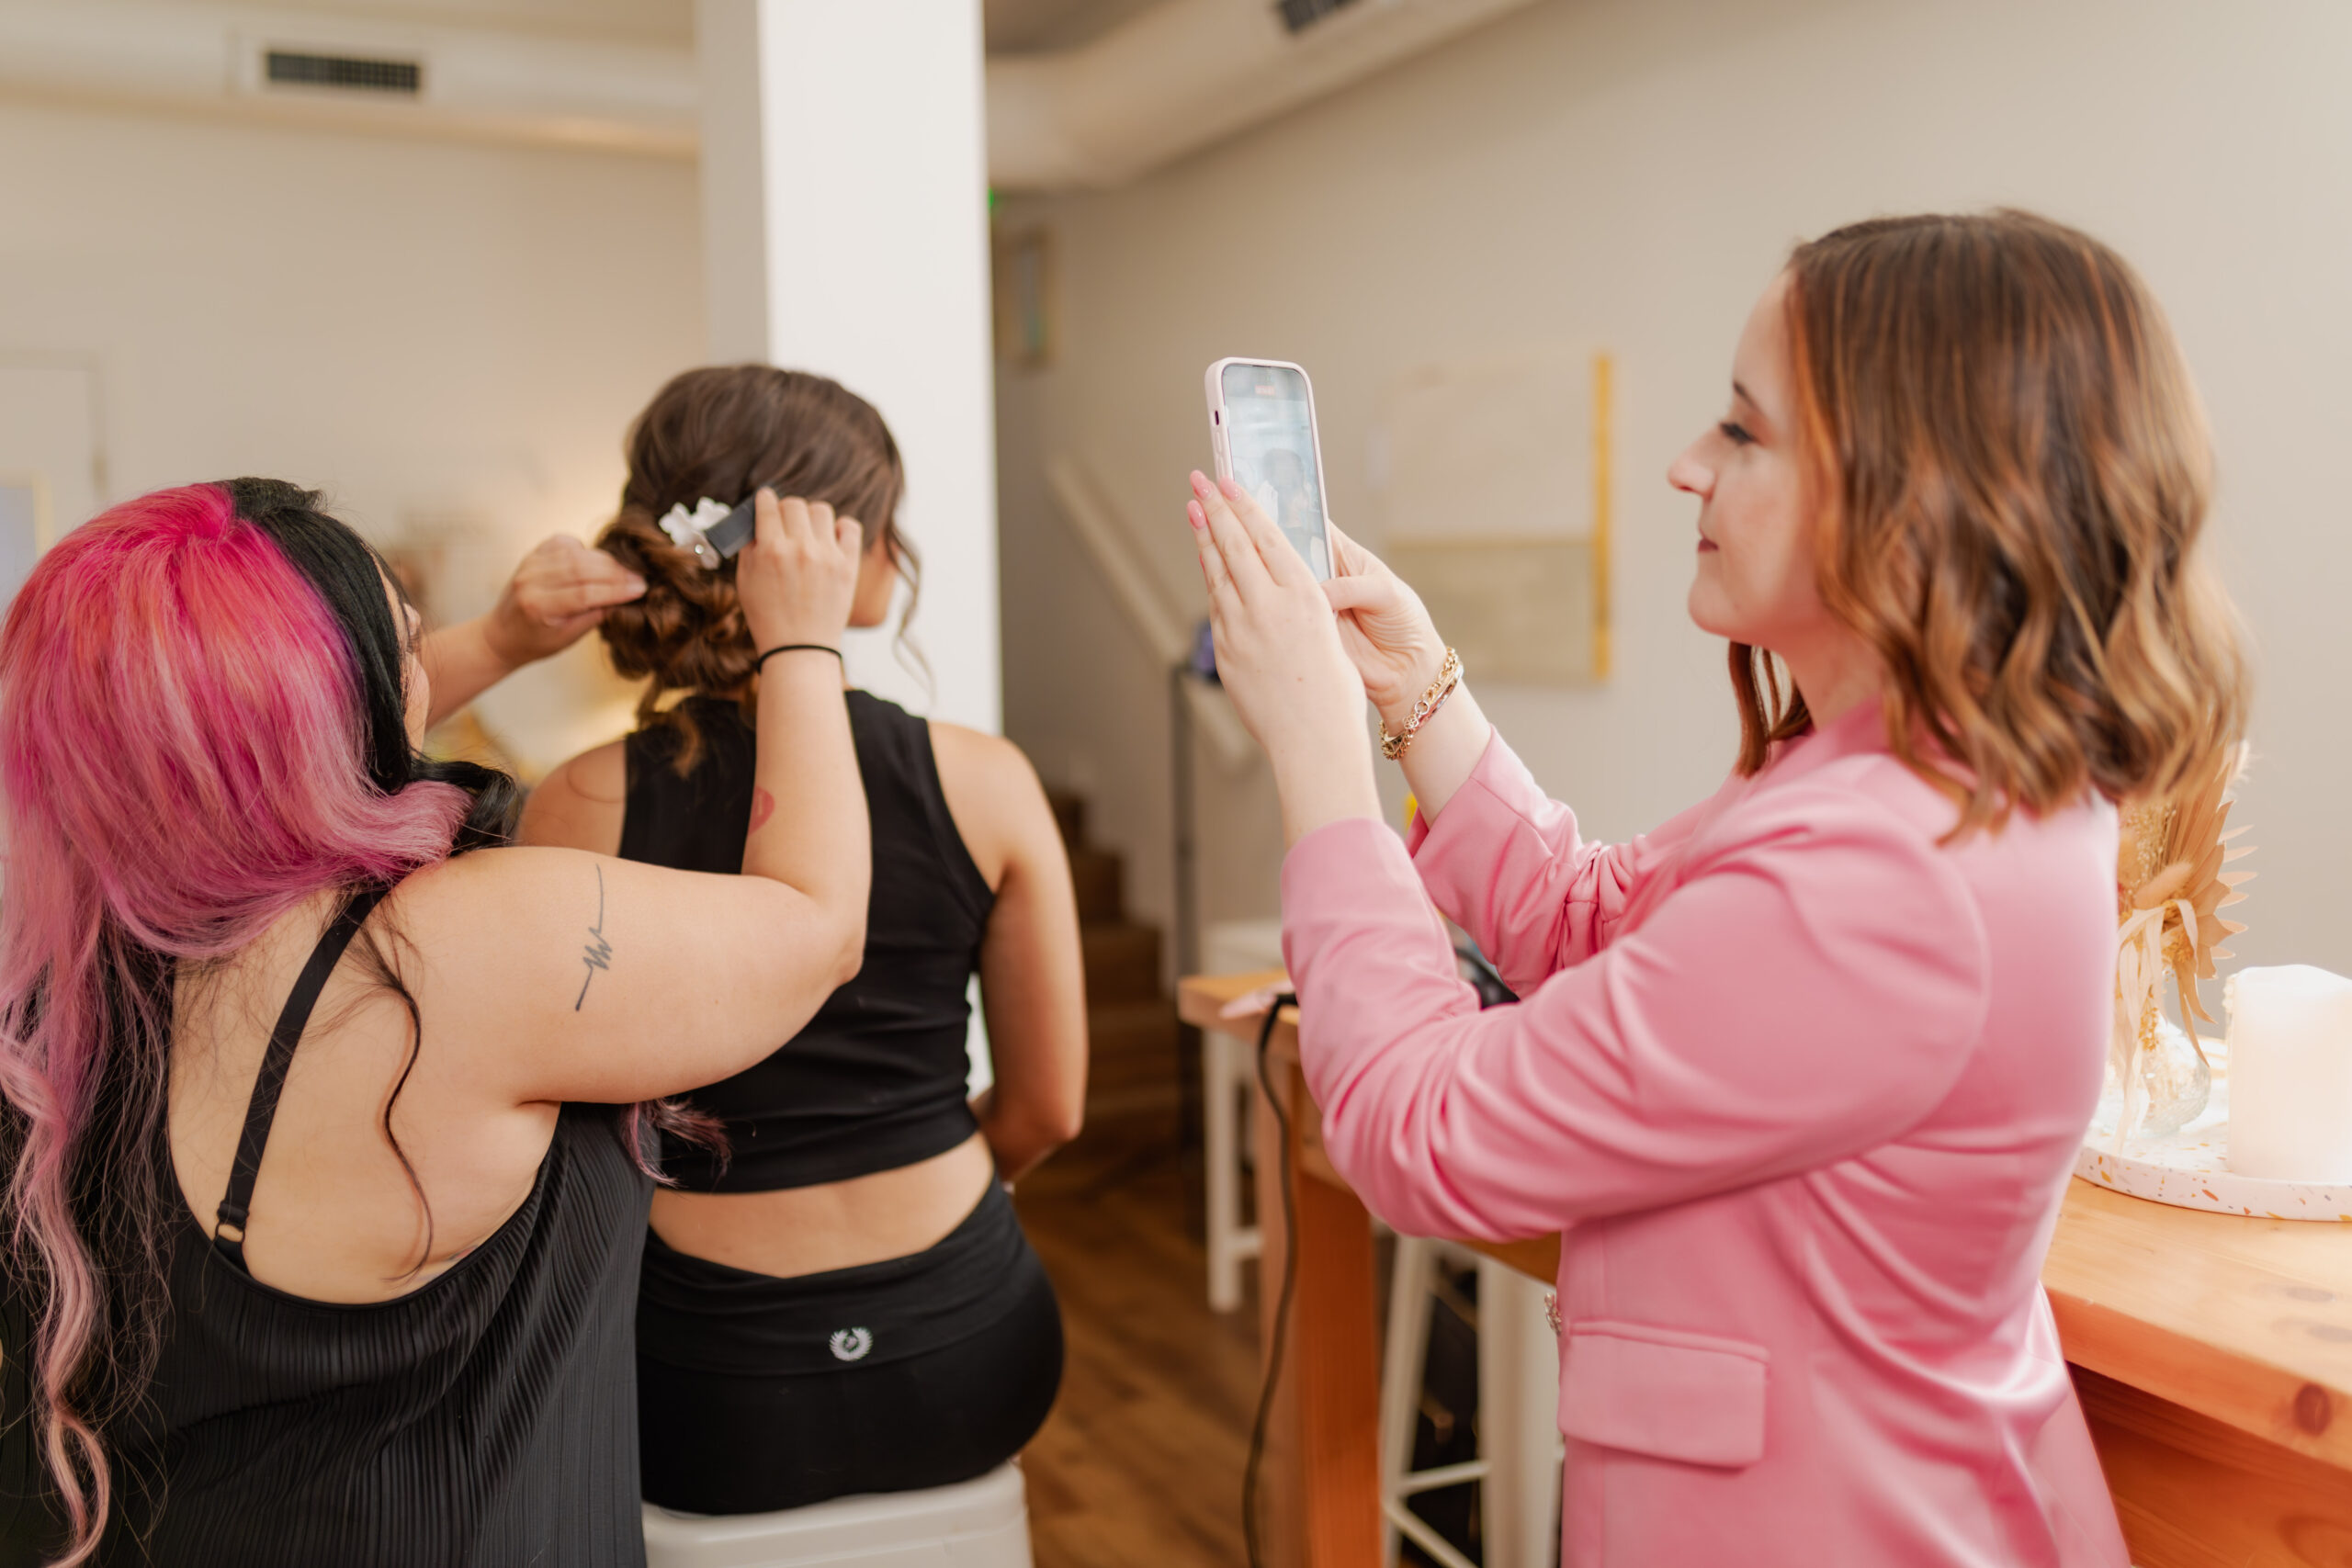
[(487, 1419)]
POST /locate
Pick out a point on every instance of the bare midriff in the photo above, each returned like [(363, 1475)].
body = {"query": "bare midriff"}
[(840, 1225)]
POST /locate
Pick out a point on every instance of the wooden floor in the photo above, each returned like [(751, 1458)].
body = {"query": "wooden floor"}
[(1139, 1465)]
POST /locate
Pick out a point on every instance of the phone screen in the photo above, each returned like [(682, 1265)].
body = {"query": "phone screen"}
[(1270, 440)]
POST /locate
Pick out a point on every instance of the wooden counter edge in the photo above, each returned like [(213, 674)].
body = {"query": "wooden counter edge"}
[(2265, 1401), (2268, 1401), (1200, 1001)]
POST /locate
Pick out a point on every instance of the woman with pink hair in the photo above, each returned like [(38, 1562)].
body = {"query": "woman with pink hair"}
[(368, 1301)]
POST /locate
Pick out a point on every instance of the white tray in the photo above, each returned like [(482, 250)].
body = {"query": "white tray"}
[(2190, 1169)]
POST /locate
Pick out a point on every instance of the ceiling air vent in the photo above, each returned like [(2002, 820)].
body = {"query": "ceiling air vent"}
[(294, 68), (1300, 15)]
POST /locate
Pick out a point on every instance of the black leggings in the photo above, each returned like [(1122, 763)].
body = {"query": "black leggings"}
[(919, 1371)]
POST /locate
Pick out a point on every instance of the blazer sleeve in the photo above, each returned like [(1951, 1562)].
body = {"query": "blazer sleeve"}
[(1809, 991), (1506, 864)]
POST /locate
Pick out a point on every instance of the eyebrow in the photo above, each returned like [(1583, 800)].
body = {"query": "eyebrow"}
[(1756, 416)]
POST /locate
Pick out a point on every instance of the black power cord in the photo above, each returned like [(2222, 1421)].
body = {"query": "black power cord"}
[(1289, 1286), (1472, 967), (1492, 992)]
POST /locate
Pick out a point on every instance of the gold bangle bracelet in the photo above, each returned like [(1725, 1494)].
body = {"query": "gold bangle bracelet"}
[(1449, 675)]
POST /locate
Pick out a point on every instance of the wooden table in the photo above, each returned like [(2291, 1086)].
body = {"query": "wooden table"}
[(2212, 1353)]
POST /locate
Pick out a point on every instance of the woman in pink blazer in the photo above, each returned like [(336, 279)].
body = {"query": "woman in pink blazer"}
[(1801, 1074)]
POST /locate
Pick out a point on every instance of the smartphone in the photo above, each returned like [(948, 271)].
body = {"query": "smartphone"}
[(1262, 427)]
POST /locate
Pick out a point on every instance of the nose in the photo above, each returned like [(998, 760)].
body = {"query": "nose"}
[(1690, 474)]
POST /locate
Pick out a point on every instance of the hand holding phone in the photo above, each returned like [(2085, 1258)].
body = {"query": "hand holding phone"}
[(1262, 428)]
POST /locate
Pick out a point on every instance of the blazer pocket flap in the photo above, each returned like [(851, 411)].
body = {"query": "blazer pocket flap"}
[(1692, 1397)]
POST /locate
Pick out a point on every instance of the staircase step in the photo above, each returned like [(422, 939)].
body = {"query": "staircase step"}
[(1122, 961), (1132, 1090), (1100, 876), (1131, 1040), (1145, 1112), (1133, 1064), (1069, 815)]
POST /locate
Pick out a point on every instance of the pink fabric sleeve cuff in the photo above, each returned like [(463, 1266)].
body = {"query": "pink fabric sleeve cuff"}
[(1456, 854), (1420, 830)]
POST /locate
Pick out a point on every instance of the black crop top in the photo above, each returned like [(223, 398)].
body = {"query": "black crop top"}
[(877, 1080)]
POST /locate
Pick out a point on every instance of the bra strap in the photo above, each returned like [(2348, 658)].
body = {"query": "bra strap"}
[(236, 1205)]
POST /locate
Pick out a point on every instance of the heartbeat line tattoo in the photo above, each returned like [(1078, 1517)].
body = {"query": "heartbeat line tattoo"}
[(597, 953)]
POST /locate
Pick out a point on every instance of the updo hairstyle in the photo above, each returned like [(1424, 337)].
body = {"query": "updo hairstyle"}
[(722, 432)]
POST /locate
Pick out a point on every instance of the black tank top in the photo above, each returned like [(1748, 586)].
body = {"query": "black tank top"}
[(876, 1079), (487, 1418)]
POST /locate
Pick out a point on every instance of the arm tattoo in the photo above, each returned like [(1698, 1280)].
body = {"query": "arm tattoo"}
[(596, 952)]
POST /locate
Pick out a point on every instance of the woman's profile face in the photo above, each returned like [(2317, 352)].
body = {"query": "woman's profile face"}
[(1755, 582), (877, 583), (416, 685)]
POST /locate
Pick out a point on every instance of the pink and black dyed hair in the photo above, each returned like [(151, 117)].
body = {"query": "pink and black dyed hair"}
[(201, 728)]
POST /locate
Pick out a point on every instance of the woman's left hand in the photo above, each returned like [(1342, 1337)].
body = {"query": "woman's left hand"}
[(1279, 656), (561, 590)]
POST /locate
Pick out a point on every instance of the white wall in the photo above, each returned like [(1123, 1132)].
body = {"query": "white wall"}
[(443, 336), (1627, 175)]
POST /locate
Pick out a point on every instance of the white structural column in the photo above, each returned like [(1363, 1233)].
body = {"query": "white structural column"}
[(844, 193)]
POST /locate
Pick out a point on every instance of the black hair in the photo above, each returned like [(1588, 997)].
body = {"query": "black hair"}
[(350, 577)]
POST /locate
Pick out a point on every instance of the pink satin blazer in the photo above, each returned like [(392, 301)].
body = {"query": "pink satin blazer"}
[(1803, 1086)]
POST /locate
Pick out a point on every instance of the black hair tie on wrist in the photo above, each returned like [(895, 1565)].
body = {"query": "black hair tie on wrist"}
[(762, 661)]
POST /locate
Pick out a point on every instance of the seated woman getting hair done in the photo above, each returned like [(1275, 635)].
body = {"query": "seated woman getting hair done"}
[(355, 1287), (844, 1302), (1802, 1073)]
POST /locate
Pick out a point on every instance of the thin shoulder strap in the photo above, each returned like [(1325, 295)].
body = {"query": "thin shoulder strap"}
[(236, 1205)]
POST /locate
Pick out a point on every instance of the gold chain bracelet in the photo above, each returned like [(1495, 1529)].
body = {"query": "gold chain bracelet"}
[(1449, 675)]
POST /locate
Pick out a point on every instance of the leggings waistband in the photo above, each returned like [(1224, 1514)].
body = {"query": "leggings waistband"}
[(706, 1316)]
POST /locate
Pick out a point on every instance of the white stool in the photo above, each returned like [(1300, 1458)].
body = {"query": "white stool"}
[(1518, 1391), (1229, 1079), (975, 1524)]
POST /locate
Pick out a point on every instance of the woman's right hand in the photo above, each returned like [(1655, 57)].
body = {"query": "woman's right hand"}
[(1385, 629), (797, 576)]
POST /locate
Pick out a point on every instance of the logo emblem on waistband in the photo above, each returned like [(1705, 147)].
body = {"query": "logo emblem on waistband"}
[(849, 1344)]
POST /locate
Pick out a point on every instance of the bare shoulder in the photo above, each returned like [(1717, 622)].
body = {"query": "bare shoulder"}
[(993, 794), (579, 805), (979, 758), (470, 896)]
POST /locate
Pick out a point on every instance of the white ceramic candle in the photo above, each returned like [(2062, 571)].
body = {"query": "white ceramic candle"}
[(2290, 1074)]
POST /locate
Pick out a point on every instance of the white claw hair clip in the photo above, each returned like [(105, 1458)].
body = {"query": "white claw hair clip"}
[(687, 530)]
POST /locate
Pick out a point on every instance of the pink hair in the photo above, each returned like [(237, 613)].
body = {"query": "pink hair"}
[(183, 760)]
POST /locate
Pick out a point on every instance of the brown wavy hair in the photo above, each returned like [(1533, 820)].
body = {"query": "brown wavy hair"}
[(2010, 471), (723, 432)]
